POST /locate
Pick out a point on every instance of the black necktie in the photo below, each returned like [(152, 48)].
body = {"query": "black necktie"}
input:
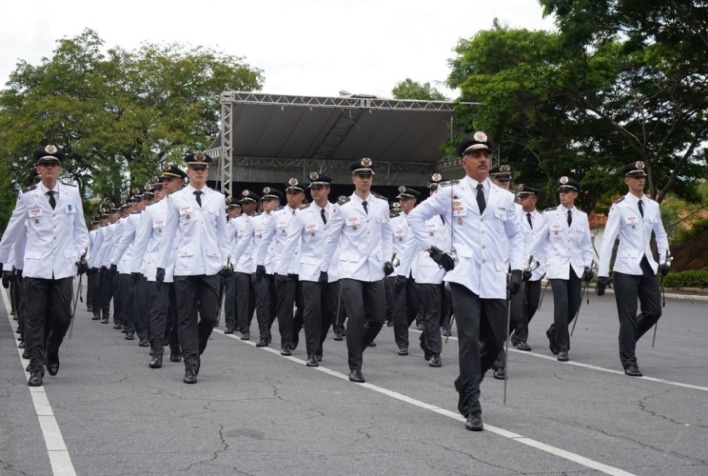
[(570, 217), (528, 217), (198, 194), (480, 198), (366, 206), (323, 215), (442, 217), (52, 201), (641, 208)]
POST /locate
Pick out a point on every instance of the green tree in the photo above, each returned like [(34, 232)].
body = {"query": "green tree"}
[(409, 89), (654, 96), (118, 114)]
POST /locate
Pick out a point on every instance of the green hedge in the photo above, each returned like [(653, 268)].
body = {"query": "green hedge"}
[(687, 279)]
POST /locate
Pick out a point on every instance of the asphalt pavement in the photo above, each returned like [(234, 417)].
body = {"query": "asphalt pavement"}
[(255, 412)]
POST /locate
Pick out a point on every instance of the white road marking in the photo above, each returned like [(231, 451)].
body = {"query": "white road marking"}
[(575, 458), (59, 457), (600, 369)]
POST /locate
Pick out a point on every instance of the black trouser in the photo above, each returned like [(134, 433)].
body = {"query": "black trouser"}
[(317, 305), (118, 300), (47, 299), (97, 304), (330, 296), (628, 288), (141, 307), (127, 294), (108, 291), (479, 321), (17, 291), (245, 300), (405, 309), (196, 294), (266, 303), (445, 307), (567, 294), (163, 321), (366, 307), (91, 282), (288, 289), (431, 305), (339, 315), (388, 282), (230, 311), (529, 304)]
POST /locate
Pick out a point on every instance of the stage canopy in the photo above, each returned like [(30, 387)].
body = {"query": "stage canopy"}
[(268, 138)]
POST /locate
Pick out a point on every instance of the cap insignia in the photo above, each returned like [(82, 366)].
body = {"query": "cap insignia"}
[(563, 180), (436, 177), (480, 136), (51, 149), (366, 162), (314, 175)]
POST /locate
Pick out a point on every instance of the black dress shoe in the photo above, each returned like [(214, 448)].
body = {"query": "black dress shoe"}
[(52, 363), (286, 351), (190, 376), (356, 376), (338, 336), (474, 422), (373, 344), (144, 342), (35, 379), (156, 361), (500, 373), (175, 357), (403, 349), (117, 325), (312, 361), (318, 357), (21, 345), (95, 317), (446, 332), (551, 342), (246, 335), (426, 352), (229, 330), (523, 346), (104, 321), (435, 360), (25, 355), (389, 323), (563, 356), (130, 335), (633, 371), (262, 343)]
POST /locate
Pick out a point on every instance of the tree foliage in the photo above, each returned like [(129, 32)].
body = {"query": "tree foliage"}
[(409, 89), (118, 114)]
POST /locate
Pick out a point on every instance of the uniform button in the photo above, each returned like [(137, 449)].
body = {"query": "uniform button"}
[(484, 261), (484, 247), (481, 219)]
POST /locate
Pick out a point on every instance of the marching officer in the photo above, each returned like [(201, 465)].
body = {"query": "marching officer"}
[(525, 303), (233, 212), (361, 229), (563, 238), (90, 277), (195, 235), (244, 264), (632, 219), (263, 251), (307, 233), (162, 309), (486, 241), (50, 216), (404, 297)]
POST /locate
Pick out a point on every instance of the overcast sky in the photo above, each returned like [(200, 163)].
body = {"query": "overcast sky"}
[(304, 47)]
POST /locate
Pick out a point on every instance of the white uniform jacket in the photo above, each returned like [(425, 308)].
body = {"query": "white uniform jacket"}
[(148, 242), (263, 249), (123, 250), (96, 247), (364, 240), (402, 237), (284, 264), (197, 235), (104, 253), (308, 232), (243, 247), (563, 246), (480, 242), (539, 270), (625, 221), (56, 238)]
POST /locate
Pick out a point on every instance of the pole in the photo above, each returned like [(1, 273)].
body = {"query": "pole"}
[(508, 325), (76, 301)]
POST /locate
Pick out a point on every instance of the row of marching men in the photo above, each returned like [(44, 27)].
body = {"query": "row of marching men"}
[(470, 233)]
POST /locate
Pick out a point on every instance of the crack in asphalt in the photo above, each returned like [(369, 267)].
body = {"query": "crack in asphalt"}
[(643, 406), (472, 456)]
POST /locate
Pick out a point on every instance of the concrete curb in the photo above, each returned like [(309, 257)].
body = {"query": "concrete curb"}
[(690, 294)]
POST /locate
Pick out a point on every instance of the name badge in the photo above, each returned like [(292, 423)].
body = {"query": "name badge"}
[(185, 210), (282, 225), (35, 212), (555, 228), (70, 208), (400, 232), (431, 228), (458, 209), (312, 228), (632, 221)]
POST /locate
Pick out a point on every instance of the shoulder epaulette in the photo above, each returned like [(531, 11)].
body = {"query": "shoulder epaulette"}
[(549, 209), (510, 191), (68, 184), (618, 200), (304, 206), (343, 200), (257, 214), (135, 213), (448, 183), (29, 189)]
